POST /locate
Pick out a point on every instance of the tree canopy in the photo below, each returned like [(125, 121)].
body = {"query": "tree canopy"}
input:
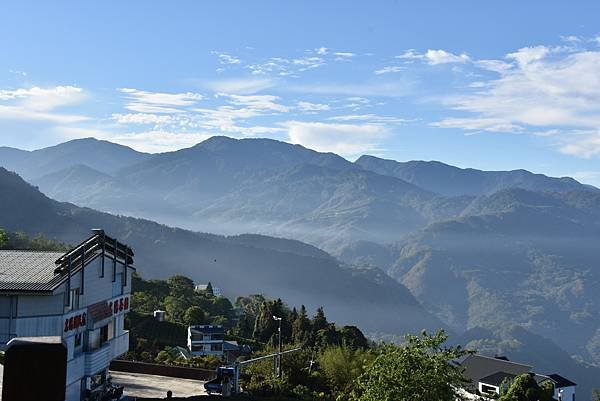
[(419, 370)]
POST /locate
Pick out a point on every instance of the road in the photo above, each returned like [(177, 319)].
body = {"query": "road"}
[(150, 386)]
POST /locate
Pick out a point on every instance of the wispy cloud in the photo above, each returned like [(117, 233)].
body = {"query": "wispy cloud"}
[(142, 101), (540, 90), (158, 141), (345, 139), (41, 104), (395, 88), (242, 86), (582, 144), (225, 58), (311, 107), (371, 118), (389, 69), (257, 102), (434, 57)]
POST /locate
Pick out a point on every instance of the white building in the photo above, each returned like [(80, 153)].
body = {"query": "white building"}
[(215, 290), (206, 340), (487, 376), (81, 295)]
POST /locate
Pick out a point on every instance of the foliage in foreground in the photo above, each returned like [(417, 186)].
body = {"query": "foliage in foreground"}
[(419, 370), (525, 388)]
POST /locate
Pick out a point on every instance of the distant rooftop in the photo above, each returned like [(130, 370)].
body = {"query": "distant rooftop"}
[(497, 378)]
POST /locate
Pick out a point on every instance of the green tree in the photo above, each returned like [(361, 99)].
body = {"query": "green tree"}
[(176, 307), (194, 315), (144, 303), (342, 366), (420, 370), (319, 321), (244, 326), (596, 394), (329, 336), (525, 388), (301, 328), (221, 306), (181, 286), (352, 337), (3, 238)]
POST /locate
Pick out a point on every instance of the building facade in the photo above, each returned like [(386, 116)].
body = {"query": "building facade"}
[(487, 375), (81, 296), (206, 340)]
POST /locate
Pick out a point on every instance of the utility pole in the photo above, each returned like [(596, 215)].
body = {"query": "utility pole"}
[(279, 353)]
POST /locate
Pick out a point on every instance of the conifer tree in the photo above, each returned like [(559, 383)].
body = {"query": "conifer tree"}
[(301, 328), (209, 289), (319, 321)]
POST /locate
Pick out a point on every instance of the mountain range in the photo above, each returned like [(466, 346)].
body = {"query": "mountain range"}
[(240, 265), (477, 252)]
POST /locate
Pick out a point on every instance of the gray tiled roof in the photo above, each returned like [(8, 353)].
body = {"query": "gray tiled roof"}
[(28, 270), (497, 378)]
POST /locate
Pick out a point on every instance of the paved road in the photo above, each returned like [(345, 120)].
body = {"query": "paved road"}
[(150, 386)]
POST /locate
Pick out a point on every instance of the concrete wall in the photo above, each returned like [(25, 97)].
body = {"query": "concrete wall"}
[(162, 370)]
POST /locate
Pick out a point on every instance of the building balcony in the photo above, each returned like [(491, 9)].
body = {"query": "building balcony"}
[(119, 345), (100, 358), (97, 360)]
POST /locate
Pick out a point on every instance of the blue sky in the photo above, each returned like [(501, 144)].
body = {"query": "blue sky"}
[(490, 85)]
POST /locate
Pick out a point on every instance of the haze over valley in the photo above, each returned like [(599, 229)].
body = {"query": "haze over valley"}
[(404, 245)]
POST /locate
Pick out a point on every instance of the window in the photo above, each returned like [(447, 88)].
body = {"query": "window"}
[(103, 334), (197, 348), (488, 389), (216, 347), (73, 299), (77, 340)]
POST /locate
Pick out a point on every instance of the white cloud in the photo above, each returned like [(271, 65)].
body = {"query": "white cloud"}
[(389, 69), (538, 91), (308, 106), (141, 97), (344, 139), (479, 124), (225, 58), (527, 55), (142, 118), (582, 144), (158, 141), (21, 113), (40, 104), (44, 99), (343, 56), (435, 57), (410, 54), (498, 66), (257, 102), (308, 63), (371, 118), (584, 176), (398, 87), (242, 86), (18, 72), (321, 51)]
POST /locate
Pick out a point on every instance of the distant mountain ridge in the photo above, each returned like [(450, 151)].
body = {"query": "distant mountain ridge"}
[(103, 156), (475, 248), (270, 187), (453, 181), (298, 273)]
